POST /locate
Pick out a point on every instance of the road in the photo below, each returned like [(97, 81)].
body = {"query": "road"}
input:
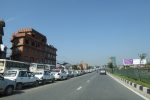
[(91, 86)]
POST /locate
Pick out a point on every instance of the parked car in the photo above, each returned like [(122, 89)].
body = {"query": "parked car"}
[(59, 74), (6, 86), (69, 73), (44, 76), (75, 73), (102, 72), (22, 78)]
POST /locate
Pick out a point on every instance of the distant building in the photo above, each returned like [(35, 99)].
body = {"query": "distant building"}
[(83, 66), (113, 61), (31, 46)]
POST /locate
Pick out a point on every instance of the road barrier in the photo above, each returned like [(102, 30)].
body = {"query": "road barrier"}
[(141, 74)]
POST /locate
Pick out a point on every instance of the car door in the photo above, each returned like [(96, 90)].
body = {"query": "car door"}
[(22, 77), (46, 75), (31, 77)]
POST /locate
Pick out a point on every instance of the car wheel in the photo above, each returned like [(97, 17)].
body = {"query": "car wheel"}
[(19, 86), (53, 80), (9, 90), (44, 82), (61, 78), (36, 83)]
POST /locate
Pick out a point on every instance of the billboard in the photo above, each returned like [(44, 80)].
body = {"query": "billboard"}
[(127, 61), (137, 61), (133, 61)]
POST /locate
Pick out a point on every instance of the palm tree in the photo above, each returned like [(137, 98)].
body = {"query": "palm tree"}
[(142, 56)]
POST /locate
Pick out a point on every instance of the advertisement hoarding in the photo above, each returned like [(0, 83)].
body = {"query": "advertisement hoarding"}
[(133, 61), (127, 61), (137, 61)]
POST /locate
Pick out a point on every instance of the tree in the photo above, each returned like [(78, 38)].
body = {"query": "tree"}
[(75, 67), (110, 65), (142, 56)]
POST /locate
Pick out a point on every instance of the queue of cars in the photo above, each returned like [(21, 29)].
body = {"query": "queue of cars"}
[(16, 79)]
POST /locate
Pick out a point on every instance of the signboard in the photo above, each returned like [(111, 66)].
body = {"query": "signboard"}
[(137, 61), (127, 61), (133, 61)]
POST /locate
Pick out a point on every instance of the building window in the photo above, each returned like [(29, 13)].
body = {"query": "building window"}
[(33, 43), (37, 44), (26, 41), (43, 40), (33, 35)]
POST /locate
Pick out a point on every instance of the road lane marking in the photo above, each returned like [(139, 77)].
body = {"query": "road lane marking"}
[(145, 98), (79, 88)]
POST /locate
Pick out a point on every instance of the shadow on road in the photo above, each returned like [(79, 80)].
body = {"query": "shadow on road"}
[(17, 92)]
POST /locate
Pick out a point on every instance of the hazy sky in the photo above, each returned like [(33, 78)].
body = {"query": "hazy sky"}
[(84, 30)]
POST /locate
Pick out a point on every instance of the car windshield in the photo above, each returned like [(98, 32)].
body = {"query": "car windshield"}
[(10, 74)]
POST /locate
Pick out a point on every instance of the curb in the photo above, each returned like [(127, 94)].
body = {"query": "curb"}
[(139, 88)]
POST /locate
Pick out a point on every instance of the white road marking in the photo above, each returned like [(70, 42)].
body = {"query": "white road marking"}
[(130, 88), (79, 88)]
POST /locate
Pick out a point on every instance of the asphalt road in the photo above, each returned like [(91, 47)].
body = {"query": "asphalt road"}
[(91, 86)]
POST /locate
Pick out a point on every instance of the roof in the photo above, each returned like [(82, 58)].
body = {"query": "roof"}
[(25, 30)]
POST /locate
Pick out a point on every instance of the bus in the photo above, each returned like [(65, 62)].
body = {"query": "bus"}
[(37, 66), (12, 64)]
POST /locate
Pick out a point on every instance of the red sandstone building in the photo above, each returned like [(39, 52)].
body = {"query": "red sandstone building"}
[(28, 45)]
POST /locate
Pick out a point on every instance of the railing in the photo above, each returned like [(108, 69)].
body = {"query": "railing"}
[(141, 74)]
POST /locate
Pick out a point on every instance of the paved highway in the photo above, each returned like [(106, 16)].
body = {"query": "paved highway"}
[(91, 86)]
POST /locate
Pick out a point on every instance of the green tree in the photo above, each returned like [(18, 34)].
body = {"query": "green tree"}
[(110, 65), (75, 67), (142, 56)]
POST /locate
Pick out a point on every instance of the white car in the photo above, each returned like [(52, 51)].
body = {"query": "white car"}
[(102, 72), (21, 77), (44, 76), (59, 74)]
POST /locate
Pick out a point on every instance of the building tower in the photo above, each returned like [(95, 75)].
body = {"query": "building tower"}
[(113, 61)]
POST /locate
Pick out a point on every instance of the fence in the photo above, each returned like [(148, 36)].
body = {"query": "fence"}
[(141, 74)]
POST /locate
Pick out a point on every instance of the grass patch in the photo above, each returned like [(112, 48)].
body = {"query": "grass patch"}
[(146, 84)]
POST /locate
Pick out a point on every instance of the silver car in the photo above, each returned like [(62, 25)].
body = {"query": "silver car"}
[(102, 72), (7, 86)]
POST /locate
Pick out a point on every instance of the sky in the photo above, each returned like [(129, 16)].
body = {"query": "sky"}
[(83, 30)]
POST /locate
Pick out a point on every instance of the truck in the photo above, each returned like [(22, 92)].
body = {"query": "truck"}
[(37, 67), (12, 64), (42, 72)]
